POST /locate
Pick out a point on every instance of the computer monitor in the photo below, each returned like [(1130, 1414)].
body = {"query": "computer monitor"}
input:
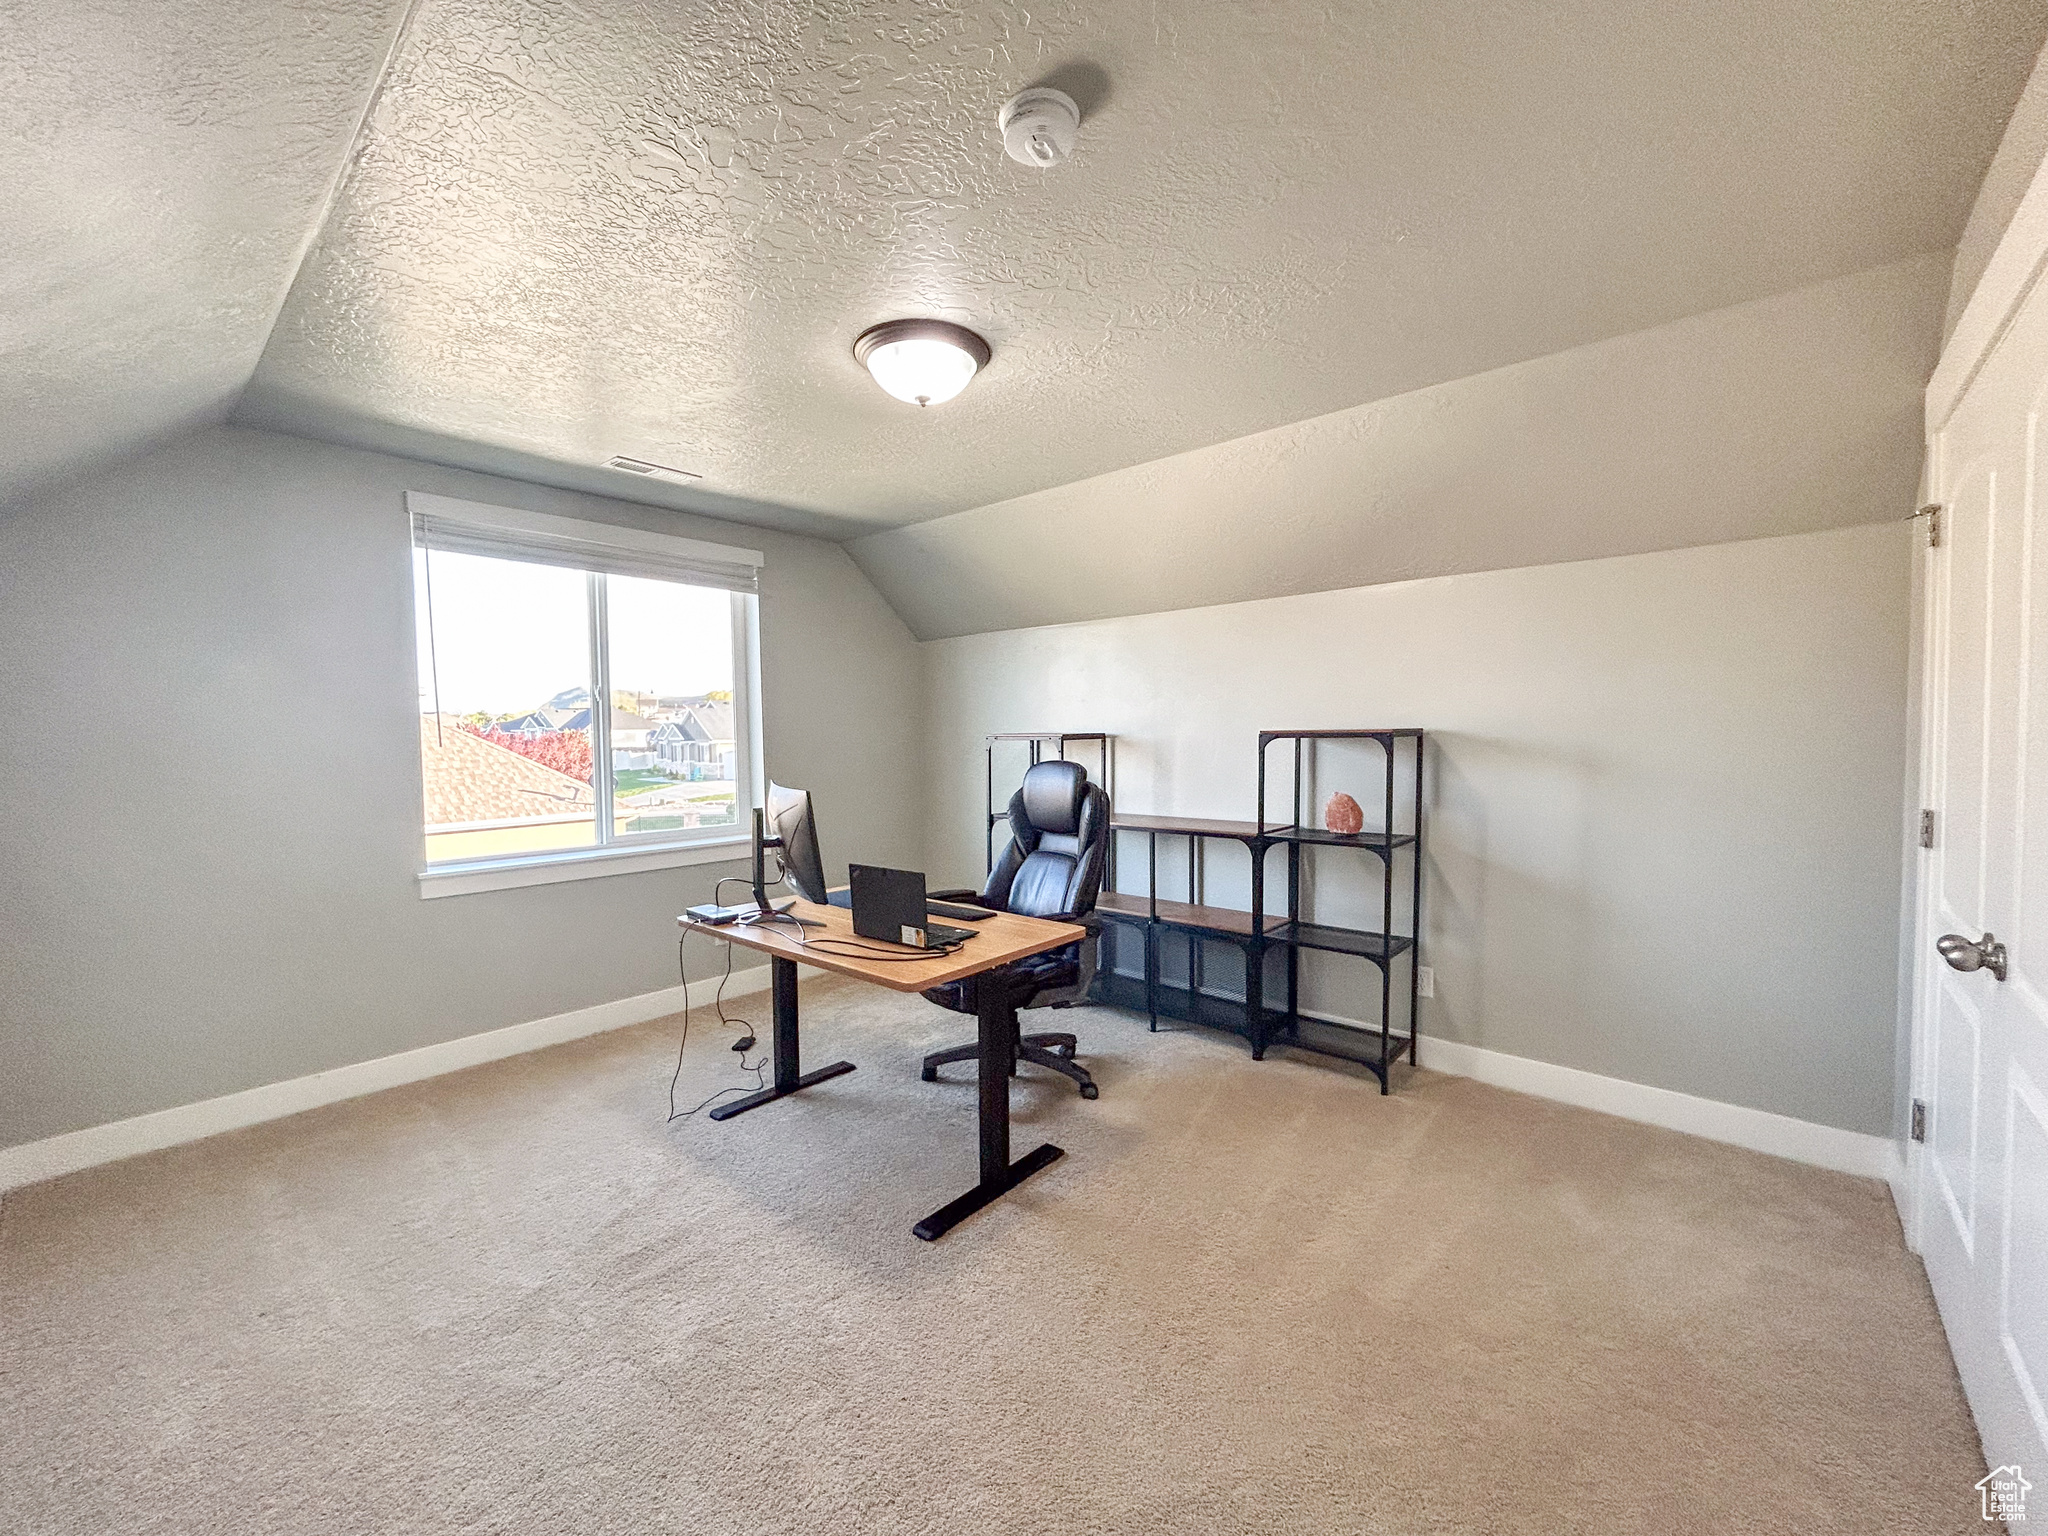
[(790, 826)]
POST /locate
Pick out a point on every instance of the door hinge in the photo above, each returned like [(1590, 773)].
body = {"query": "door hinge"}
[(1919, 1119), (1927, 829), (1934, 525)]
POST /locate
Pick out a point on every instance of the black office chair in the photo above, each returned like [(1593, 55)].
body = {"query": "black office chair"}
[(1059, 837)]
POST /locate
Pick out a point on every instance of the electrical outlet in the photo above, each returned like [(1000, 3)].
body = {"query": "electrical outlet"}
[(1425, 980)]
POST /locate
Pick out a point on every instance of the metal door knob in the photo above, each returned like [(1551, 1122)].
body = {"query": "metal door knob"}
[(1985, 954)]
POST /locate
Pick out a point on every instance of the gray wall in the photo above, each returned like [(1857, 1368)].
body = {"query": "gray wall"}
[(1664, 797), (2006, 181), (1787, 415), (213, 781)]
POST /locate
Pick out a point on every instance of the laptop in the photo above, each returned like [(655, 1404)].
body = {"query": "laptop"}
[(843, 899), (889, 904)]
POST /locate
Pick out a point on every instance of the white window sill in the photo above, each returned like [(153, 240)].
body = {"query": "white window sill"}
[(582, 864)]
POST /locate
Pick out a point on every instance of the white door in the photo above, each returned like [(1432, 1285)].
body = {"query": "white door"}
[(1981, 1044)]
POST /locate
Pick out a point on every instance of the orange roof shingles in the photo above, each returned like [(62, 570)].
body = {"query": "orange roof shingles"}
[(471, 780)]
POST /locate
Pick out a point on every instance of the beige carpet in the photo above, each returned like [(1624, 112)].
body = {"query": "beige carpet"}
[(1253, 1297)]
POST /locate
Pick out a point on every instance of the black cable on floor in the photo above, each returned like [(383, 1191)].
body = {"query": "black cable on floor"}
[(852, 949), (759, 1068)]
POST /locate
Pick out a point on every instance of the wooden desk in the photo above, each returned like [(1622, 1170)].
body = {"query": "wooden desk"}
[(998, 939)]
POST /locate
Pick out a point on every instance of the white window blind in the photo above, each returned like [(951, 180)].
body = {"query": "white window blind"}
[(503, 533)]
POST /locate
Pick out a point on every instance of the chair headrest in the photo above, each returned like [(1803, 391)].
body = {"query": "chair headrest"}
[(1053, 793)]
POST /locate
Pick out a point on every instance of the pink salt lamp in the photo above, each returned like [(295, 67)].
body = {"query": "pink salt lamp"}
[(1343, 815)]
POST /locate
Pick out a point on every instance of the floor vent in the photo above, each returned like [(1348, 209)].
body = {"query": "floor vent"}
[(650, 471)]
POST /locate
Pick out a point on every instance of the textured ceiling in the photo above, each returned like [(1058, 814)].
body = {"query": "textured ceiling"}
[(576, 229), (163, 167), (1785, 415)]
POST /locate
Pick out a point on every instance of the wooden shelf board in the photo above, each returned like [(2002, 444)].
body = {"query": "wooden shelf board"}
[(1201, 826), (1343, 941), (1403, 732), (1178, 914), (1377, 842), (1248, 831)]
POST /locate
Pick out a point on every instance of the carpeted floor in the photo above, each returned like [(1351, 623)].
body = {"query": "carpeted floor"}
[(1253, 1297)]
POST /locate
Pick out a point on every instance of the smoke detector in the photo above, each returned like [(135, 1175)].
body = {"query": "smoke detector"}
[(651, 471), (1039, 126)]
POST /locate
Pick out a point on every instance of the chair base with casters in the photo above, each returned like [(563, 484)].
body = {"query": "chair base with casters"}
[(1052, 1048), (1057, 980)]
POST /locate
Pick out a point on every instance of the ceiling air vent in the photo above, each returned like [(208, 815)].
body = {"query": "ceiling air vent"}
[(649, 471)]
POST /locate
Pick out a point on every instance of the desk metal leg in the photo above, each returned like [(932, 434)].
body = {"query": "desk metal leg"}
[(998, 1033), (789, 1077)]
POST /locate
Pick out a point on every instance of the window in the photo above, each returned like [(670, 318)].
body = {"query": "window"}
[(586, 693)]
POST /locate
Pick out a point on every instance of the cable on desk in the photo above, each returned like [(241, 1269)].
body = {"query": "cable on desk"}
[(853, 951), (850, 949)]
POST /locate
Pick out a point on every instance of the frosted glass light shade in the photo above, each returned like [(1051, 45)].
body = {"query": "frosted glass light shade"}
[(921, 371), (921, 362)]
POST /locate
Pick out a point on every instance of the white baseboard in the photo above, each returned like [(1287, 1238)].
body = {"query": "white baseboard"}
[(1900, 1176), (34, 1161), (1759, 1130), (1825, 1146)]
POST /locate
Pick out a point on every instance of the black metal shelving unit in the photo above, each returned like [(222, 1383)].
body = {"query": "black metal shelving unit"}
[(1259, 934)]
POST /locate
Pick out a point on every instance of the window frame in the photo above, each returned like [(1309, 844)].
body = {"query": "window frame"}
[(613, 853)]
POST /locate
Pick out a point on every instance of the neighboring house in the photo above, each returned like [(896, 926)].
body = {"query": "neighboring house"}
[(697, 741), (545, 721), (674, 749), (630, 731), (672, 706), (472, 783), (691, 738), (630, 745), (568, 710)]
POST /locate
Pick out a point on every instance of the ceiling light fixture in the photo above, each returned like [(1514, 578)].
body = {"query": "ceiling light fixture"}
[(921, 362)]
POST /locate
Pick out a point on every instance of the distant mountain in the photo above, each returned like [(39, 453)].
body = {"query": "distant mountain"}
[(569, 698)]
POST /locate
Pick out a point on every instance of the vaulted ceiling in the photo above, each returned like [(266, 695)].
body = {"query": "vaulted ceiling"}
[(573, 228), (164, 166)]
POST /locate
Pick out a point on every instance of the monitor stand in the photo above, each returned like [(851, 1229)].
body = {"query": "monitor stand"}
[(764, 909), (775, 911)]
